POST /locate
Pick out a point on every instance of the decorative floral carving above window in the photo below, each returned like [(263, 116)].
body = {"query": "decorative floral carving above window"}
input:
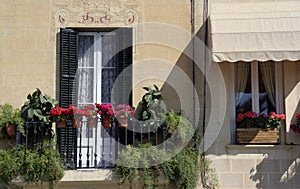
[(96, 12)]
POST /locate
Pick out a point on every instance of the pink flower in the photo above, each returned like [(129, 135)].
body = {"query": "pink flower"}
[(281, 116), (105, 110), (124, 110)]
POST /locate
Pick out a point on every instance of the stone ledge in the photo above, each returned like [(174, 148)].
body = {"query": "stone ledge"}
[(260, 146), (88, 175)]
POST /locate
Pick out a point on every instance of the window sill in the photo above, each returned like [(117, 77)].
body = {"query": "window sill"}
[(260, 147), (79, 179)]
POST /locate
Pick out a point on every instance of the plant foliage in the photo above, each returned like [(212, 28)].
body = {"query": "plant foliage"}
[(38, 166), (38, 107), (138, 164), (9, 115), (149, 108)]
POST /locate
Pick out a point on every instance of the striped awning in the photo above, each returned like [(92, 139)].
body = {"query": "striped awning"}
[(255, 31)]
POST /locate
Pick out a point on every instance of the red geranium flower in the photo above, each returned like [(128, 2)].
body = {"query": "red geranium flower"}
[(59, 114), (105, 110), (252, 119)]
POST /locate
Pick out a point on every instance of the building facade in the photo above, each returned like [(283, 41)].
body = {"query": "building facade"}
[(173, 44)]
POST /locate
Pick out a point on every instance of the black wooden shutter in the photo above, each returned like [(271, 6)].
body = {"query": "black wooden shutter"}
[(67, 137), (124, 92), (124, 57)]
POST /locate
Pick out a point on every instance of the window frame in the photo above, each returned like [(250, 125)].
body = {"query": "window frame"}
[(255, 97), (97, 64), (68, 65)]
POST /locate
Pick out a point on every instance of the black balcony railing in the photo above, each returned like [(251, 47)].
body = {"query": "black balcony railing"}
[(99, 147)]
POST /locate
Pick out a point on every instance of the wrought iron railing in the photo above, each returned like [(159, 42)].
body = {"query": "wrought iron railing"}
[(97, 148)]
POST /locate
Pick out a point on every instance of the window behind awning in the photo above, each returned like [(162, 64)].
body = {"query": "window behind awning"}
[(255, 31)]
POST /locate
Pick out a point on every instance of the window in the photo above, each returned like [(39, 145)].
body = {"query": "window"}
[(257, 87), (90, 62)]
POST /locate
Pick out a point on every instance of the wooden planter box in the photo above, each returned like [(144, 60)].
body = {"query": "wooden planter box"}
[(257, 136)]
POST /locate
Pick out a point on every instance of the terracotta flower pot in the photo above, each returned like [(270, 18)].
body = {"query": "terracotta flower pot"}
[(106, 122), (11, 130), (61, 124), (92, 122), (122, 121), (77, 122)]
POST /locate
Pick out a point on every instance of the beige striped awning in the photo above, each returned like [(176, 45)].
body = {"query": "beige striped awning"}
[(255, 31)]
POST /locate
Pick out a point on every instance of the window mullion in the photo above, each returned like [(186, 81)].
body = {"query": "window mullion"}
[(279, 86), (98, 67), (255, 86)]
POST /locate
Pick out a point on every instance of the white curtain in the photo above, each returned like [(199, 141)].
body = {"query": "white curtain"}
[(241, 77), (268, 77), (85, 71)]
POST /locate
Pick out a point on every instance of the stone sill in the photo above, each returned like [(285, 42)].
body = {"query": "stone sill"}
[(88, 175), (260, 146), (79, 179), (84, 178)]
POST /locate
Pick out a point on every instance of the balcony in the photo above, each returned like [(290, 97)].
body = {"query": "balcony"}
[(93, 148)]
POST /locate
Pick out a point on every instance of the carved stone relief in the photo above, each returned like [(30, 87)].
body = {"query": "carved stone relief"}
[(93, 13)]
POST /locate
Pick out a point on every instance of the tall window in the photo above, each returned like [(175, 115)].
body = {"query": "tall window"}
[(90, 62)]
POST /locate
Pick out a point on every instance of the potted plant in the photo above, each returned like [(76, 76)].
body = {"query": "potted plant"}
[(296, 126), (123, 113), (258, 128), (91, 111), (9, 118), (106, 111), (60, 116), (149, 108), (179, 126), (38, 107), (76, 115)]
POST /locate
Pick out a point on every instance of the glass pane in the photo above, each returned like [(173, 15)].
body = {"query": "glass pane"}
[(85, 77), (267, 92), (109, 51), (86, 51), (108, 78), (243, 90), (109, 69), (85, 71)]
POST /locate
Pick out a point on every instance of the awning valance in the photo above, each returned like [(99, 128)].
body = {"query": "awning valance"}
[(255, 31)]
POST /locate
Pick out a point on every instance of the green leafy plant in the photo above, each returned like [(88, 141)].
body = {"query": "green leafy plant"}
[(9, 167), (179, 125), (135, 164), (38, 166), (150, 105), (183, 169), (9, 115), (38, 107)]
